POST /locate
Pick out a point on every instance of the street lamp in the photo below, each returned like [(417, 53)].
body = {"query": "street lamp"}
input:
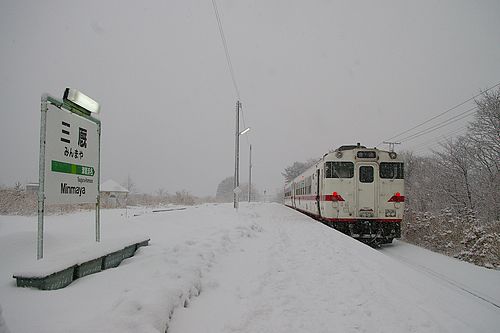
[(245, 130), (81, 100), (236, 182)]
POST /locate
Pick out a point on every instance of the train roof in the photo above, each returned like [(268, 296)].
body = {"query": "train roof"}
[(350, 147)]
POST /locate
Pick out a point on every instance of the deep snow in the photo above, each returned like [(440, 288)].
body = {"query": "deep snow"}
[(264, 268)]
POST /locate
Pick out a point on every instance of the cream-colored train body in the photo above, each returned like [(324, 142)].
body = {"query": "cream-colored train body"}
[(357, 190)]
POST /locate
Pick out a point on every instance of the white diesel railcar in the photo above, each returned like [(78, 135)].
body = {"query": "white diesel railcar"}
[(356, 190)]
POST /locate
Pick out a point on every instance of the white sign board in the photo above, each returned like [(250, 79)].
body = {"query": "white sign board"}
[(71, 158)]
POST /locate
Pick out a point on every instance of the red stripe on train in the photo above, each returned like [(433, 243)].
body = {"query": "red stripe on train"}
[(328, 197)]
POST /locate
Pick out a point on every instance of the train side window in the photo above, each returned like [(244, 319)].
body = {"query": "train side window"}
[(339, 169), (328, 168), (308, 185), (391, 170), (366, 174)]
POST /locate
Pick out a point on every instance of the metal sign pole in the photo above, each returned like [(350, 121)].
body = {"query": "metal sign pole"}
[(97, 221), (41, 177), (98, 203)]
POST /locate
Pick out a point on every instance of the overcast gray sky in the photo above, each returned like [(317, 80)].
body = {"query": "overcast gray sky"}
[(312, 75)]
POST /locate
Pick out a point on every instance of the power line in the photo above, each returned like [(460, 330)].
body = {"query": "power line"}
[(436, 128), (439, 115), (429, 143), (226, 50), (429, 148), (440, 125), (238, 110), (229, 62), (437, 141)]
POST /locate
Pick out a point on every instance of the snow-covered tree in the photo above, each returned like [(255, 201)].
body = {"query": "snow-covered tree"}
[(130, 185), (225, 190), (296, 169), (484, 132), (484, 135), (457, 166), (453, 204)]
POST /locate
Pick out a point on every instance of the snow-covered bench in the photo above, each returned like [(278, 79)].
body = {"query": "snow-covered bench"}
[(59, 271)]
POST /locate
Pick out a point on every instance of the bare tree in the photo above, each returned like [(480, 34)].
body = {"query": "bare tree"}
[(484, 135), (130, 185), (183, 198), (457, 168), (484, 132), (453, 204)]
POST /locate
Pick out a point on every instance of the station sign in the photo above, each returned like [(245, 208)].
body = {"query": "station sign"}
[(71, 158)]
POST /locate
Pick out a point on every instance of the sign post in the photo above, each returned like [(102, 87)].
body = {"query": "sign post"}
[(69, 155)]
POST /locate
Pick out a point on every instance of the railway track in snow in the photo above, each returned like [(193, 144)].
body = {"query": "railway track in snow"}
[(444, 279)]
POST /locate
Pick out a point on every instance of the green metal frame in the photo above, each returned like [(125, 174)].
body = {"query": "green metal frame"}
[(64, 277)]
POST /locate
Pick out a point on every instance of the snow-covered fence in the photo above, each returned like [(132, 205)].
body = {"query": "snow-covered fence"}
[(59, 271)]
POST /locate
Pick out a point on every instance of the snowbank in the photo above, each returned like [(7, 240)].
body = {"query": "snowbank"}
[(3, 325)]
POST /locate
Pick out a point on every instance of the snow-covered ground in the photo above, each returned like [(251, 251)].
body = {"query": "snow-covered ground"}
[(477, 281), (264, 268)]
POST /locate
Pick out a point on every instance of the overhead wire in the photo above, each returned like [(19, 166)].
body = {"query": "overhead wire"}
[(429, 148), (440, 114), (437, 141), (429, 143), (229, 62), (442, 124), (226, 49)]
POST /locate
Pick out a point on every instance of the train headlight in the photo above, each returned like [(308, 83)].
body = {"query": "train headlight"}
[(393, 155), (390, 213), (338, 154)]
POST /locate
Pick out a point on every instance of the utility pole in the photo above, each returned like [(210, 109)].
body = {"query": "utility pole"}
[(391, 145), (236, 182), (250, 176)]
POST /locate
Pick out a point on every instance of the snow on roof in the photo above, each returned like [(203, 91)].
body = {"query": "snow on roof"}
[(111, 186)]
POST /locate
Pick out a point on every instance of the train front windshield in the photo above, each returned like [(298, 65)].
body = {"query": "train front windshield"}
[(339, 169)]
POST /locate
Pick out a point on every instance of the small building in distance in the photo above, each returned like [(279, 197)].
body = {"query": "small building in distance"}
[(113, 195)]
